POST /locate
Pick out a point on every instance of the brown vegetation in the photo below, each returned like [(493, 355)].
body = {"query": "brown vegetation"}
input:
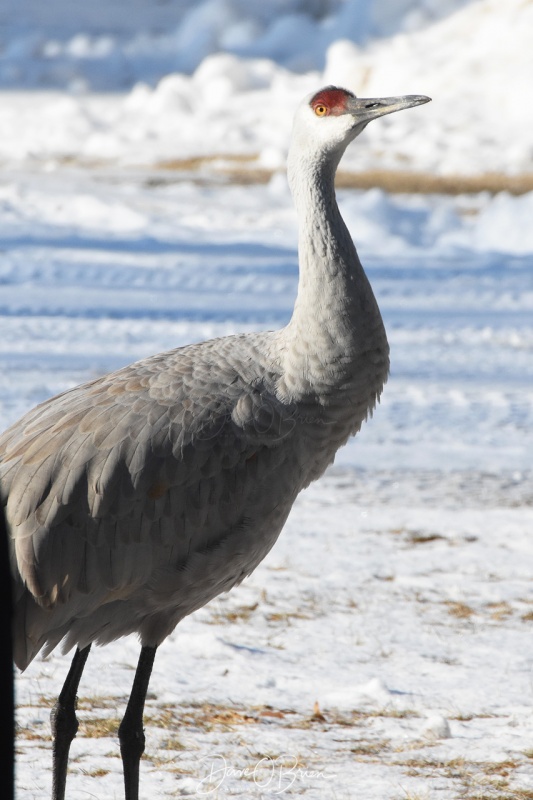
[(243, 169)]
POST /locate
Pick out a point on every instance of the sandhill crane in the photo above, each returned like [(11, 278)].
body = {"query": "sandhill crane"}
[(136, 498)]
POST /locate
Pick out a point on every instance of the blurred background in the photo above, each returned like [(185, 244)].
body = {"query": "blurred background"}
[(196, 77)]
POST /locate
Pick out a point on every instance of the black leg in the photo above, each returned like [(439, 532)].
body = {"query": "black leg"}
[(65, 723), (131, 732)]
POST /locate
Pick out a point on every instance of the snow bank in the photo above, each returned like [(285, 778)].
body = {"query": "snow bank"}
[(224, 76), (111, 45)]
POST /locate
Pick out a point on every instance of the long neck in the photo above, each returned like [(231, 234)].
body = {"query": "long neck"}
[(336, 317)]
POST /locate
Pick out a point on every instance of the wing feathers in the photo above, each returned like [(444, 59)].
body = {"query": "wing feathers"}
[(130, 475)]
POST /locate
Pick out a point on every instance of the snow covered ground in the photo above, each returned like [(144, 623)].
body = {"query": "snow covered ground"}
[(383, 649), (102, 269)]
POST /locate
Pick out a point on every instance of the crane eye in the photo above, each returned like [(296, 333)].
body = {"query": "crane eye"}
[(321, 110)]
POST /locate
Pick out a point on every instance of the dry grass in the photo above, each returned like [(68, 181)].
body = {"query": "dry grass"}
[(500, 611), (358, 730), (221, 616), (33, 735), (516, 794), (96, 773), (42, 701), (210, 716), (99, 727), (497, 612), (98, 701), (285, 617), (475, 780), (403, 181), (224, 616), (225, 612), (459, 610), (238, 169), (214, 717), (243, 170), (460, 717), (417, 536), (370, 748)]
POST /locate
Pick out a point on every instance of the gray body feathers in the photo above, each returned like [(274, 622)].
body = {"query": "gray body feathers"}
[(136, 498)]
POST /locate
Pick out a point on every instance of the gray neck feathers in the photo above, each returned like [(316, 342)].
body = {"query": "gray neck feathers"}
[(336, 317)]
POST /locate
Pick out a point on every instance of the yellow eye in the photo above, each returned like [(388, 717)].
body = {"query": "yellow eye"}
[(321, 110)]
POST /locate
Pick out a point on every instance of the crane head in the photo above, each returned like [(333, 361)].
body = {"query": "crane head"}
[(331, 118)]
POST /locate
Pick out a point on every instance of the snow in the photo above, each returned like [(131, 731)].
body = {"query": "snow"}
[(170, 81), (384, 644)]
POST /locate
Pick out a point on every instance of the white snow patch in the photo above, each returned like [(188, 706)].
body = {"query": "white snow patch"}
[(436, 727), (225, 76)]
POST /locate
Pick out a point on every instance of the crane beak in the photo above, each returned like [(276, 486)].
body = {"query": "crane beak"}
[(365, 109)]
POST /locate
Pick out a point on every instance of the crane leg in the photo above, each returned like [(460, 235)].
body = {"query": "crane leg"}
[(131, 731), (65, 723)]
